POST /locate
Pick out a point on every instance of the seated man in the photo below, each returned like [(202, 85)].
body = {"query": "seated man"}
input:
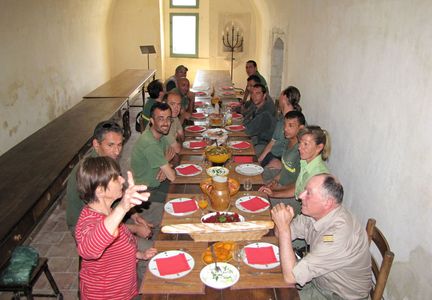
[(187, 98), (261, 125), (180, 71), (338, 265), (294, 122), (156, 93), (107, 141), (252, 69), (176, 133), (247, 106), (151, 154)]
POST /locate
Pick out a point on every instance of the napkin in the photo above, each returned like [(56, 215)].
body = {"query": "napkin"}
[(241, 145), (185, 206), (199, 103), (199, 144), (236, 127), (234, 104), (243, 159), (236, 115), (198, 115), (172, 265), (194, 128), (260, 256), (254, 204), (200, 93), (227, 87), (188, 170)]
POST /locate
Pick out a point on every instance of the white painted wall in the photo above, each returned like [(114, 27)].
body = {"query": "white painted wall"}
[(52, 53), (364, 69)]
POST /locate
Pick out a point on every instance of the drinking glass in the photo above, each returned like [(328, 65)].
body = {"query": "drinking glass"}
[(237, 255), (202, 203), (247, 185)]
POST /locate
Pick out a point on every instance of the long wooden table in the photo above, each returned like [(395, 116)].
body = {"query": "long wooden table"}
[(253, 283), (126, 84)]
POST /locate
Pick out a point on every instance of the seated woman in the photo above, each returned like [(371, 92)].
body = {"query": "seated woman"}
[(107, 248), (314, 148)]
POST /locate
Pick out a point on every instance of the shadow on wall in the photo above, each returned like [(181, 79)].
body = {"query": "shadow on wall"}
[(405, 281)]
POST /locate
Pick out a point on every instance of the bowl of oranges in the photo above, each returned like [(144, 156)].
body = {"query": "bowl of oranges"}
[(223, 252)]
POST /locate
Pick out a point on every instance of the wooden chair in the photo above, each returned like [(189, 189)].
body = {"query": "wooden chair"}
[(382, 272)]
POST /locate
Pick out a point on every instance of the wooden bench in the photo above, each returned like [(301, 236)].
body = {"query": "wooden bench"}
[(35, 171)]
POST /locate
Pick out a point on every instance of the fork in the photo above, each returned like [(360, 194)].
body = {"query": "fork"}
[(217, 268)]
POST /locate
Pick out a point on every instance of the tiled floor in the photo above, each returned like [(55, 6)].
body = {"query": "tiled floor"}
[(53, 239)]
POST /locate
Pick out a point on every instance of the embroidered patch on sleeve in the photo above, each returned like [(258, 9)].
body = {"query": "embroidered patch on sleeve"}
[(328, 238)]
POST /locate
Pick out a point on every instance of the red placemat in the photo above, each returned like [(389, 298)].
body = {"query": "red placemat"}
[(194, 128), (254, 204), (236, 127), (237, 116), (199, 144), (243, 159), (172, 265), (234, 104), (241, 145), (188, 170), (184, 206), (198, 115), (260, 256), (200, 94), (199, 103)]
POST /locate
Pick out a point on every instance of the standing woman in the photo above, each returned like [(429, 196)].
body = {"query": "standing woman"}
[(107, 248)]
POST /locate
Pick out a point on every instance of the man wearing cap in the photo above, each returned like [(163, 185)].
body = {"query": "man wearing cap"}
[(170, 83), (338, 265)]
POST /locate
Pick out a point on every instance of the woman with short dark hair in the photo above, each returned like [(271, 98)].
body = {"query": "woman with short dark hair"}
[(107, 248)]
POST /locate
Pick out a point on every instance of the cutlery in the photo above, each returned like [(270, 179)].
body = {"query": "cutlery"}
[(217, 268), (262, 273)]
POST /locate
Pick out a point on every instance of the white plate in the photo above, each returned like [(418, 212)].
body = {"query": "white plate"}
[(249, 169), (236, 128), (152, 266), (233, 143), (217, 171), (214, 133), (242, 219), (246, 198), (259, 266), (186, 165), (187, 128), (186, 145), (170, 209), (228, 276)]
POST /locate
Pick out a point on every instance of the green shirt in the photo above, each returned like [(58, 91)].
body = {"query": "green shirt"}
[(308, 170), (290, 165), (263, 81), (74, 204), (146, 110), (279, 137), (148, 155)]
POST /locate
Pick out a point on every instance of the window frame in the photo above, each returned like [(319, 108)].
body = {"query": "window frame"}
[(184, 6), (196, 15)]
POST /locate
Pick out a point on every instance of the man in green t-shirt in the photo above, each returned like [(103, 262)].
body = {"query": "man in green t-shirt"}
[(151, 154), (156, 93), (294, 121), (107, 141)]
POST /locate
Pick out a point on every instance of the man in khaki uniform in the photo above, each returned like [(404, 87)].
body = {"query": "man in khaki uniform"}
[(338, 265)]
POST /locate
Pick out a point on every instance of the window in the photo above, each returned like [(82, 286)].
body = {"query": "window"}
[(184, 3), (184, 35)]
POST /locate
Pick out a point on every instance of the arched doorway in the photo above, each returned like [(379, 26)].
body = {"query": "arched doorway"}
[(276, 68)]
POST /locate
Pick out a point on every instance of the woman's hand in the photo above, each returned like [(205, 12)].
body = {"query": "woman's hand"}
[(147, 254), (132, 195), (266, 190)]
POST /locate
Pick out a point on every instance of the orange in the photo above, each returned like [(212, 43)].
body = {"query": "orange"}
[(208, 259), (227, 246)]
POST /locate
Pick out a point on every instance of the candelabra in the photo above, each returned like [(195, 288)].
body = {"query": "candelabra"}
[(232, 41)]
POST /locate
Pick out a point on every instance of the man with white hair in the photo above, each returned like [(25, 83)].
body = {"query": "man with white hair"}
[(338, 265)]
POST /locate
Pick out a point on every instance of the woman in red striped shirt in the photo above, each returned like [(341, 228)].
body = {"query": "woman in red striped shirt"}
[(108, 249)]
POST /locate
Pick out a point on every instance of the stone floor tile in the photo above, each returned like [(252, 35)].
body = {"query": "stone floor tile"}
[(49, 237), (60, 264)]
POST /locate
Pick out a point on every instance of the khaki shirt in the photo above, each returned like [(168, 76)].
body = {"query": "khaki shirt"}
[(175, 127), (339, 260)]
